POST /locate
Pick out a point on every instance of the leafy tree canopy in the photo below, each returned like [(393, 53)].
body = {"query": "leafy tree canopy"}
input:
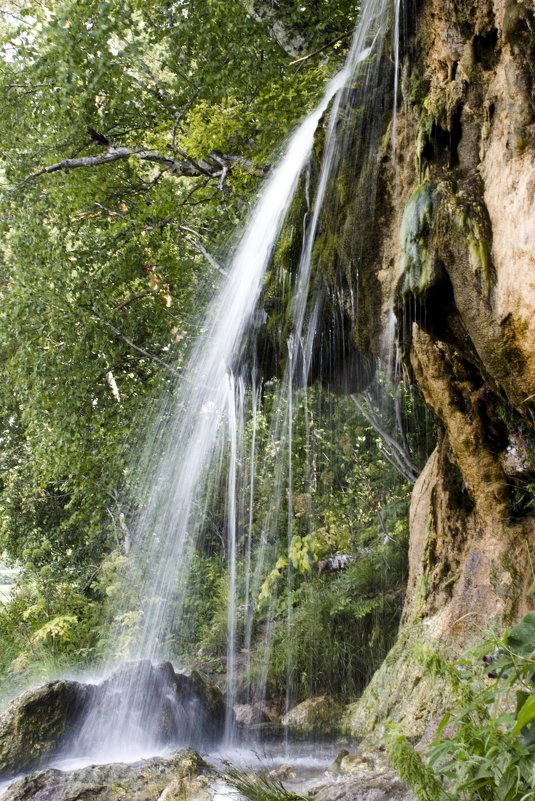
[(133, 135)]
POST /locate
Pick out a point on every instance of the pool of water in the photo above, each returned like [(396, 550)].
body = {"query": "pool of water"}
[(296, 764)]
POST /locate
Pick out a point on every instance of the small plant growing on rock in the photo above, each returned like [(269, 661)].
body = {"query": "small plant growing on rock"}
[(489, 754)]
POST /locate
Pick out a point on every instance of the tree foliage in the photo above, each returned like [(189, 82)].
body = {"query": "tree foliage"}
[(134, 136)]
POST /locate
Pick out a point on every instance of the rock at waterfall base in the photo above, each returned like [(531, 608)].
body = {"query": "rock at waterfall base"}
[(318, 716), (368, 777), (250, 714), (178, 777), (38, 722), (180, 709), (367, 787)]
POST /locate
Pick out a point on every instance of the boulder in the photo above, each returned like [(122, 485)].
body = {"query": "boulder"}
[(141, 707), (37, 724), (320, 715), (155, 706), (272, 731), (369, 777), (250, 714), (385, 786), (179, 776)]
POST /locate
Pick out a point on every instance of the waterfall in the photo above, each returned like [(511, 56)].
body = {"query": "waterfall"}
[(184, 445), (199, 430)]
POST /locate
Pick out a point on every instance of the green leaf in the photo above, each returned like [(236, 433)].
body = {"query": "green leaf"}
[(441, 726), (526, 714), (521, 638)]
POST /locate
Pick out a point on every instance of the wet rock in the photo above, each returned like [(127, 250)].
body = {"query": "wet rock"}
[(158, 703), (335, 765), (140, 704), (362, 763), (249, 714), (370, 778), (284, 772), (320, 715), (366, 787), (35, 725), (272, 731), (180, 776)]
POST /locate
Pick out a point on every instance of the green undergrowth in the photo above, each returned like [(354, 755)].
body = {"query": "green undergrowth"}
[(484, 747)]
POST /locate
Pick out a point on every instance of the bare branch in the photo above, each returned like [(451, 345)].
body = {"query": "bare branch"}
[(321, 49), (138, 348), (193, 238), (132, 299), (212, 167), (186, 168)]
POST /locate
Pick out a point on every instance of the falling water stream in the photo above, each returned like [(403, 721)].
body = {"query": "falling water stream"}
[(201, 425), (199, 433), (184, 453)]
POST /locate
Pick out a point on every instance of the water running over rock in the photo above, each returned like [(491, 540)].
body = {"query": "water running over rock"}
[(198, 438), (200, 430)]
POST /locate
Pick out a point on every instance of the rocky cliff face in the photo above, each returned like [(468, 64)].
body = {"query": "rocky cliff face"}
[(471, 268), (457, 266)]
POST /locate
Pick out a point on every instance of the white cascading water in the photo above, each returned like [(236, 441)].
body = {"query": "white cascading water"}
[(185, 450), (189, 430), (367, 45)]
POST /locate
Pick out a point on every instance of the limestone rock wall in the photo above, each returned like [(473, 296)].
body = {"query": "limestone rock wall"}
[(457, 265)]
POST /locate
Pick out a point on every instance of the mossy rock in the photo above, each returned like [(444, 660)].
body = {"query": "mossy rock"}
[(318, 716), (35, 725), (171, 707), (250, 714), (146, 780), (404, 691)]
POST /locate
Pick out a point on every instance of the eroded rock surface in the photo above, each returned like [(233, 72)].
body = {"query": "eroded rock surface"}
[(456, 261), (179, 777)]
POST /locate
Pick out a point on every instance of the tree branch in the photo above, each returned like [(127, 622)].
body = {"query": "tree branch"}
[(138, 348), (396, 455), (132, 299), (187, 168), (302, 59), (211, 167), (193, 238)]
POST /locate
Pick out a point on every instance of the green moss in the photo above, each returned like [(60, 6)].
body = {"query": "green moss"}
[(422, 589), (471, 225), (438, 220), (414, 87), (407, 690), (416, 226)]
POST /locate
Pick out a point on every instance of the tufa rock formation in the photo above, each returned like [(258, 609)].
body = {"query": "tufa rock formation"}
[(457, 265)]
